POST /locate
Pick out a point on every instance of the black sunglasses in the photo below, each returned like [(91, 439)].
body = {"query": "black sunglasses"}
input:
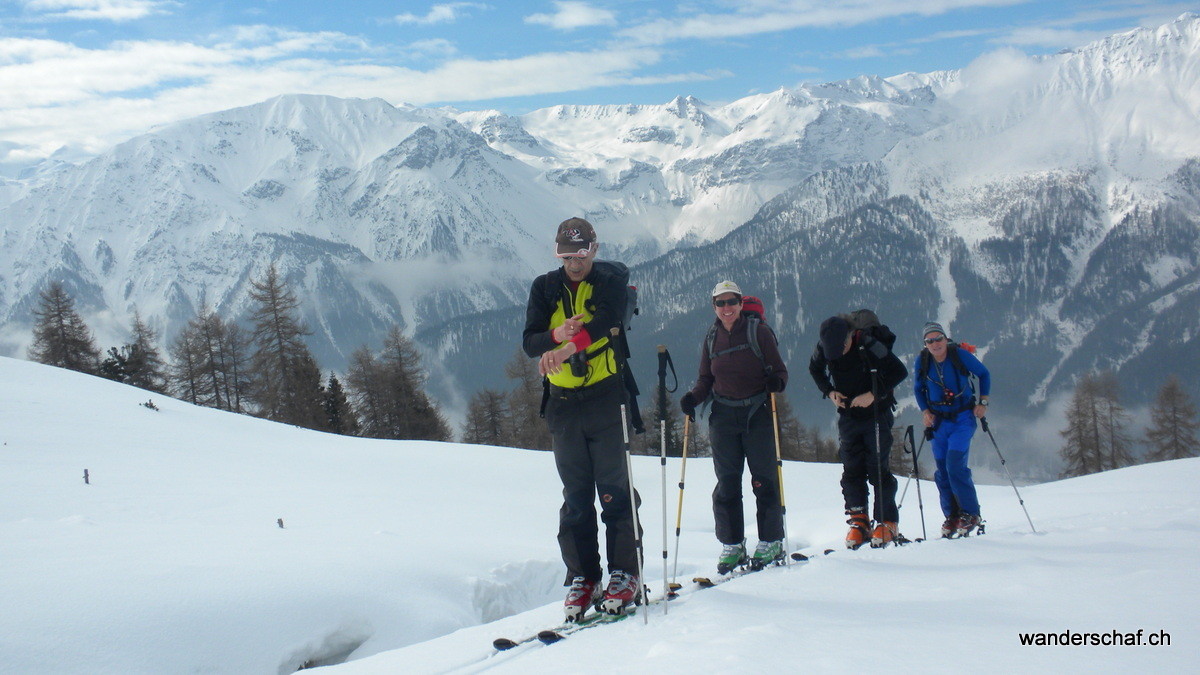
[(731, 302), (931, 341)]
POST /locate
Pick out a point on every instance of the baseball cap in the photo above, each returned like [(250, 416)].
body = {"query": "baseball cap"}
[(576, 236)]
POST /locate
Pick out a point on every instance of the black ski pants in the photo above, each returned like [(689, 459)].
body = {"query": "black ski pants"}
[(856, 439), (744, 436), (589, 451)]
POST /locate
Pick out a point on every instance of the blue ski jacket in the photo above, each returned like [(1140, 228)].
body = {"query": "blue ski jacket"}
[(944, 389)]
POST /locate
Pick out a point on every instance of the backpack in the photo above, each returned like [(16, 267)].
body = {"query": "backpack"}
[(875, 337), (955, 359), (753, 311)]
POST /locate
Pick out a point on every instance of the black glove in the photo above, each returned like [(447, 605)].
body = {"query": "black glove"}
[(688, 405), (774, 383)]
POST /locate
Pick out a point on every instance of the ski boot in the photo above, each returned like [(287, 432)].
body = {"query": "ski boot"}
[(967, 524), (886, 533), (767, 553), (950, 527), (732, 557), (860, 528), (582, 595), (623, 591)]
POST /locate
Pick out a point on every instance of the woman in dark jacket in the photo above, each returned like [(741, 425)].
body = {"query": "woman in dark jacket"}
[(739, 377)]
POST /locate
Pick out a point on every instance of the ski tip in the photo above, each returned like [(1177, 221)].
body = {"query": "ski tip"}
[(704, 582), (674, 587), (799, 557), (828, 551), (549, 637), (503, 644)]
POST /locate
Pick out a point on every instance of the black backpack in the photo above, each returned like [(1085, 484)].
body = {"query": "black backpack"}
[(875, 337)]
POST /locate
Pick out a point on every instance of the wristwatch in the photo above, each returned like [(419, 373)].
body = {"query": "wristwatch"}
[(983, 402)]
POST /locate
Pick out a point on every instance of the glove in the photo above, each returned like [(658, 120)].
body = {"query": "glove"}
[(774, 383), (688, 405)]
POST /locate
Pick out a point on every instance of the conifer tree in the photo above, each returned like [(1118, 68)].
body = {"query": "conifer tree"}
[(60, 336), (389, 394), (1173, 424), (339, 414), (1081, 452), (145, 365), (137, 363), (209, 363), (1095, 436), (487, 419), (524, 404), (1118, 445), (367, 394), (287, 380)]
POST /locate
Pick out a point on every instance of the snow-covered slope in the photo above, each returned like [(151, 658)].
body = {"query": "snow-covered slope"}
[(172, 559)]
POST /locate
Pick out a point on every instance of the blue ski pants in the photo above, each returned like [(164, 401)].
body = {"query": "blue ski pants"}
[(951, 447)]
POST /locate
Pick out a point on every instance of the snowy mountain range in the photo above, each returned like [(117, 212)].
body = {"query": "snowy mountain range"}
[(1046, 208)]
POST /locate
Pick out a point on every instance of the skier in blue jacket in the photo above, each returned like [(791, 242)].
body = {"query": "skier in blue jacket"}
[(949, 407)]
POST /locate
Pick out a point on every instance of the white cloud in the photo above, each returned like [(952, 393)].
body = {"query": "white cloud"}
[(445, 13), (58, 94), (106, 10), (1048, 37), (994, 82), (572, 14), (754, 17), (435, 47), (864, 52)]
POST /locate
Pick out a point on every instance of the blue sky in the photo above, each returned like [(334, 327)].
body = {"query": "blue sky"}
[(88, 73)]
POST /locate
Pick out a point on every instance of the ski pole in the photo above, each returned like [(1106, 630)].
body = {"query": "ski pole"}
[(908, 437), (779, 464), (663, 357), (878, 448), (687, 427), (637, 525), (1003, 463)]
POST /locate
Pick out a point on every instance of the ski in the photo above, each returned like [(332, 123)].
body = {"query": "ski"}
[(737, 572), (504, 644), (551, 635)]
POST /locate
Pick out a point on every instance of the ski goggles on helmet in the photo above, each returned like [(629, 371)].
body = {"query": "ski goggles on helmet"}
[(579, 254)]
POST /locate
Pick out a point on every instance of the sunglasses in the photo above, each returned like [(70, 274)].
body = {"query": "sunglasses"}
[(573, 257), (933, 341), (723, 303)]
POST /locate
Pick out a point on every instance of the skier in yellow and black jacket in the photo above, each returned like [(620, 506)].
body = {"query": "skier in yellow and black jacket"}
[(568, 322)]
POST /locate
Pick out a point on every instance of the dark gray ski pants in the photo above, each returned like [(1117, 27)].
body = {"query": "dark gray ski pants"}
[(744, 435), (589, 451)]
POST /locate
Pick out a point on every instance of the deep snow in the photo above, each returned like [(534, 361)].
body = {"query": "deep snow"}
[(172, 559)]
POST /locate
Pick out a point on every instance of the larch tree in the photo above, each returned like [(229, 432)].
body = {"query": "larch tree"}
[(60, 336), (1173, 424), (287, 380)]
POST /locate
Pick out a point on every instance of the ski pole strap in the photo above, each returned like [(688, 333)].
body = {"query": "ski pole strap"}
[(664, 362)]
